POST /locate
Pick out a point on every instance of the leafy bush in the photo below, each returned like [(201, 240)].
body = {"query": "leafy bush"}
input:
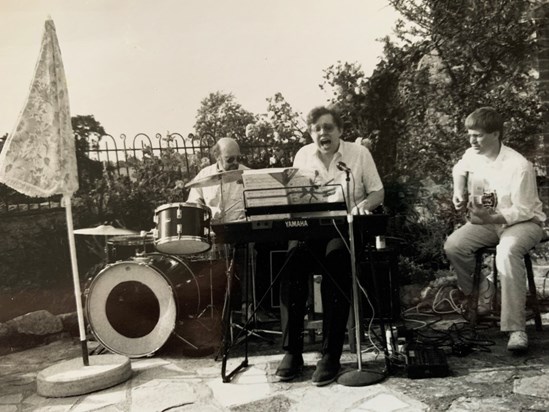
[(130, 199)]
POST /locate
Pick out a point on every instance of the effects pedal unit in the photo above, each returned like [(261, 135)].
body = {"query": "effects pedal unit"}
[(424, 361)]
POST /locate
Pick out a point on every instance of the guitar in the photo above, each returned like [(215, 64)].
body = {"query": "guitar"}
[(489, 200)]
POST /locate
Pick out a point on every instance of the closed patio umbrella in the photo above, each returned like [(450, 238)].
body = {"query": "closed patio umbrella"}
[(39, 160)]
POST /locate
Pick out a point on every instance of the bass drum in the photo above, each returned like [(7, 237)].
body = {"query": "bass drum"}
[(132, 306)]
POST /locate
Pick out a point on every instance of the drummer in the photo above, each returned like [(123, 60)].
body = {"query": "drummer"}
[(227, 155)]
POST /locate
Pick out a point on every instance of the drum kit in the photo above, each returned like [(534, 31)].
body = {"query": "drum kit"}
[(147, 284)]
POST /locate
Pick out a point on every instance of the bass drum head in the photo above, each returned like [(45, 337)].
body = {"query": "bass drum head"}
[(131, 308)]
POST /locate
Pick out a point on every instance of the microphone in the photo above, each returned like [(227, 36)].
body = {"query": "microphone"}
[(343, 167)]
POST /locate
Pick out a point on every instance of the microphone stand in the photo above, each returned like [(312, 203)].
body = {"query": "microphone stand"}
[(358, 377)]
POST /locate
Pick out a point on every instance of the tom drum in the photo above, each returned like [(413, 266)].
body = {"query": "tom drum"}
[(124, 247), (182, 228)]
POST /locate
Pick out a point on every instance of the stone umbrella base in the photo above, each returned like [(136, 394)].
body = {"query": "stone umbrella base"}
[(72, 377)]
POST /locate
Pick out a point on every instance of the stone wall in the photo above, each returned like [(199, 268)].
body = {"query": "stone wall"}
[(35, 268), (33, 247)]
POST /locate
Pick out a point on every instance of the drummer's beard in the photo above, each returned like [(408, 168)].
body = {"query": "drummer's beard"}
[(231, 166)]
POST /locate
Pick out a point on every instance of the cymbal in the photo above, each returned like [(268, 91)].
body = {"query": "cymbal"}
[(216, 179), (104, 230)]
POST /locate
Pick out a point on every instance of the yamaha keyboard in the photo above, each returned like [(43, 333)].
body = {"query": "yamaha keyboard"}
[(298, 228)]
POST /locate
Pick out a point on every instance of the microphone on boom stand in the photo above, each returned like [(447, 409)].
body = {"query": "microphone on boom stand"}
[(344, 168), (358, 377)]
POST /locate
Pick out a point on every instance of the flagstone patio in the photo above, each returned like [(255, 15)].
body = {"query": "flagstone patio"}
[(487, 379)]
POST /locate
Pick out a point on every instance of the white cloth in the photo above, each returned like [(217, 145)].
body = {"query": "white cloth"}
[(513, 179), (364, 176), (39, 157), (233, 202)]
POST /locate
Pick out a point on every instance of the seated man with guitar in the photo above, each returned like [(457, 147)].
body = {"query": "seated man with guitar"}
[(513, 222)]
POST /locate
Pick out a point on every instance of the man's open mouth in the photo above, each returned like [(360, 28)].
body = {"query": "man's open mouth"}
[(325, 142)]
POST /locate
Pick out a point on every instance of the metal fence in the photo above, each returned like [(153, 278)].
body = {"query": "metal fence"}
[(121, 154)]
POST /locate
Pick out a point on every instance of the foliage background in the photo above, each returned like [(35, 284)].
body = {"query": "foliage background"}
[(446, 59)]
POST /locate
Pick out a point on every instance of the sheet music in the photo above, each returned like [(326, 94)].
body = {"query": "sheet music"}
[(286, 186)]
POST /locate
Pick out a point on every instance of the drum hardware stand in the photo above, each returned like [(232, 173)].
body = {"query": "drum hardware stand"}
[(210, 305), (185, 340)]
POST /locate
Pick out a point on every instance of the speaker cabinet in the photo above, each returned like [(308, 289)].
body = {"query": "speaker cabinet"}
[(381, 284)]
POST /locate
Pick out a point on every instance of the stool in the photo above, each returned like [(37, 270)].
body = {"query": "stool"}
[(473, 304)]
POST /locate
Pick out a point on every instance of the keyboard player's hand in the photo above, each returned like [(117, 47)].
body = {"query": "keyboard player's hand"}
[(360, 209)]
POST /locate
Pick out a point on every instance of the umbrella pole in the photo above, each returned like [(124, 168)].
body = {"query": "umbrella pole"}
[(76, 280)]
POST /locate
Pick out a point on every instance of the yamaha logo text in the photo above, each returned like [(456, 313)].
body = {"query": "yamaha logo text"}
[(296, 223)]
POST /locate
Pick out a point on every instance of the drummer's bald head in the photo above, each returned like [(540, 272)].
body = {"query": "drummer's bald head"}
[(227, 153)]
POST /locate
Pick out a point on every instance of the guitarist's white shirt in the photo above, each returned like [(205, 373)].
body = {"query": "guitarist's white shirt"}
[(510, 176)]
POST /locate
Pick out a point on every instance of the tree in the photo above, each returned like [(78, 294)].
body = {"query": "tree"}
[(87, 132), (281, 130), (448, 59), (473, 53), (455, 57), (369, 107), (348, 86), (219, 115)]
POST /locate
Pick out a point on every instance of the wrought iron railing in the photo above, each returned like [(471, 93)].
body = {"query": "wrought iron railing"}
[(120, 153)]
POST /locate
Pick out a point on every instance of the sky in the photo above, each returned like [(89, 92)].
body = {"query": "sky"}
[(144, 66)]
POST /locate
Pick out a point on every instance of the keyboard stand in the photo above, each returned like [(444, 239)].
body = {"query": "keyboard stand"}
[(244, 330), (229, 340)]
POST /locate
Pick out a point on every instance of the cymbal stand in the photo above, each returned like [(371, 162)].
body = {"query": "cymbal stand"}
[(210, 305)]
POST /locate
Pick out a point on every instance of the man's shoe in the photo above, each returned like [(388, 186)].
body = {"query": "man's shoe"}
[(486, 294), (326, 371), (290, 366), (518, 341)]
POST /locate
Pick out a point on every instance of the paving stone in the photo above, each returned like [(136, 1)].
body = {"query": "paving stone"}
[(13, 398), (160, 370), (144, 364), (198, 407), (389, 402), (39, 403), (113, 397), (209, 372), (490, 376), (489, 404), (277, 403), (332, 397), (248, 386), (161, 394), (533, 386)]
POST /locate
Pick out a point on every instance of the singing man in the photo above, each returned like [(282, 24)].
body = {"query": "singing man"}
[(324, 154)]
